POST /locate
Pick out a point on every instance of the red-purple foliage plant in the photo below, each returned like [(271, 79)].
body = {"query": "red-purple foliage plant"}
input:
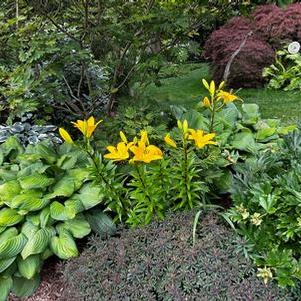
[(271, 27)]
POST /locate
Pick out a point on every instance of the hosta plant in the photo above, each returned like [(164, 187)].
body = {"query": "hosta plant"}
[(285, 72), (46, 200)]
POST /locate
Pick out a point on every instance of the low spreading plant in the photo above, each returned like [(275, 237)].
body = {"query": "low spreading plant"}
[(158, 262), (266, 210), (285, 73)]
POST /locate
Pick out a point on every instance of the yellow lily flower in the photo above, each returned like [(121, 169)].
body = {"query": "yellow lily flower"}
[(87, 127), (206, 102), (168, 140), (200, 139), (118, 153), (144, 152), (65, 135), (226, 96)]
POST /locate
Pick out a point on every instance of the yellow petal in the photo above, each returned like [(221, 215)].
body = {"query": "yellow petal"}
[(168, 140), (65, 135), (185, 126), (91, 121), (212, 87), (206, 102)]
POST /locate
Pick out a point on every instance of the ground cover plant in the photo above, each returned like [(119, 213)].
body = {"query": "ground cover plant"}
[(159, 262)]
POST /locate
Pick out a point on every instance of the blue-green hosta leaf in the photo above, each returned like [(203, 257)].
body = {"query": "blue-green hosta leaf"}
[(250, 113), (12, 246), (90, 195), (9, 217), (60, 212), (64, 187), (100, 223), (38, 242), (35, 181), (23, 287), (78, 227), (29, 201), (6, 283), (9, 190), (30, 266), (7, 174), (64, 245), (5, 263)]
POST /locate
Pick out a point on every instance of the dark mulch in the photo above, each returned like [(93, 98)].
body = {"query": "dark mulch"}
[(51, 283)]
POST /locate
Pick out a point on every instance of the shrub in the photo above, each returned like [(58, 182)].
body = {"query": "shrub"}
[(266, 197), (270, 25), (158, 262), (45, 197)]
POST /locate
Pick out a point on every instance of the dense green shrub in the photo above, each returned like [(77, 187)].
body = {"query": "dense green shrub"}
[(46, 194), (158, 262), (266, 196)]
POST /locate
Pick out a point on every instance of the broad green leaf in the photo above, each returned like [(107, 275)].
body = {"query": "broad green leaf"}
[(7, 234), (9, 217), (13, 246), (90, 195), (37, 243), (46, 152), (75, 205), (38, 167), (64, 187), (35, 181), (66, 162), (30, 266), (45, 217), (23, 287), (244, 141), (29, 229), (250, 113), (9, 190), (30, 200), (78, 227), (60, 212), (264, 134), (196, 120), (5, 263), (6, 283), (79, 176), (100, 223), (64, 246)]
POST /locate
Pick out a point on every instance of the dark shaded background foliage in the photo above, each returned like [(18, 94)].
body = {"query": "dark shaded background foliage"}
[(269, 27), (158, 262)]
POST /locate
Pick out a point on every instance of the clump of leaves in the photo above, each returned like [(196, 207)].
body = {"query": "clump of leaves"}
[(266, 194), (46, 194), (158, 262)]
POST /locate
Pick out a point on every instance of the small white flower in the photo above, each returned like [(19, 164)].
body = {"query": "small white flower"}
[(293, 47)]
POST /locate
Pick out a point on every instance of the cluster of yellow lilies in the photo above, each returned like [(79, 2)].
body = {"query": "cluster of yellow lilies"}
[(140, 148), (199, 137), (217, 94)]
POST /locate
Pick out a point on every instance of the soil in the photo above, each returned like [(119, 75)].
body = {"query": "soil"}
[(51, 284)]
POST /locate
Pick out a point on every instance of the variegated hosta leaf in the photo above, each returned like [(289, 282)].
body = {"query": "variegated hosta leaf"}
[(30, 200), (30, 266), (45, 218), (38, 242), (9, 190), (34, 219), (75, 204), (35, 181), (2, 229), (90, 195), (60, 212), (46, 254), (64, 245), (79, 176), (6, 283), (5, 263), (29, 229), (7, 234), (23, 287), (37, 167), (9, 217), (66, 161), (64, 187), (78, 227), (46, 152), (12, 246)]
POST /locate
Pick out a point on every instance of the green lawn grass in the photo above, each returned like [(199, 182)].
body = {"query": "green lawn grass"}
[(187, 89)]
